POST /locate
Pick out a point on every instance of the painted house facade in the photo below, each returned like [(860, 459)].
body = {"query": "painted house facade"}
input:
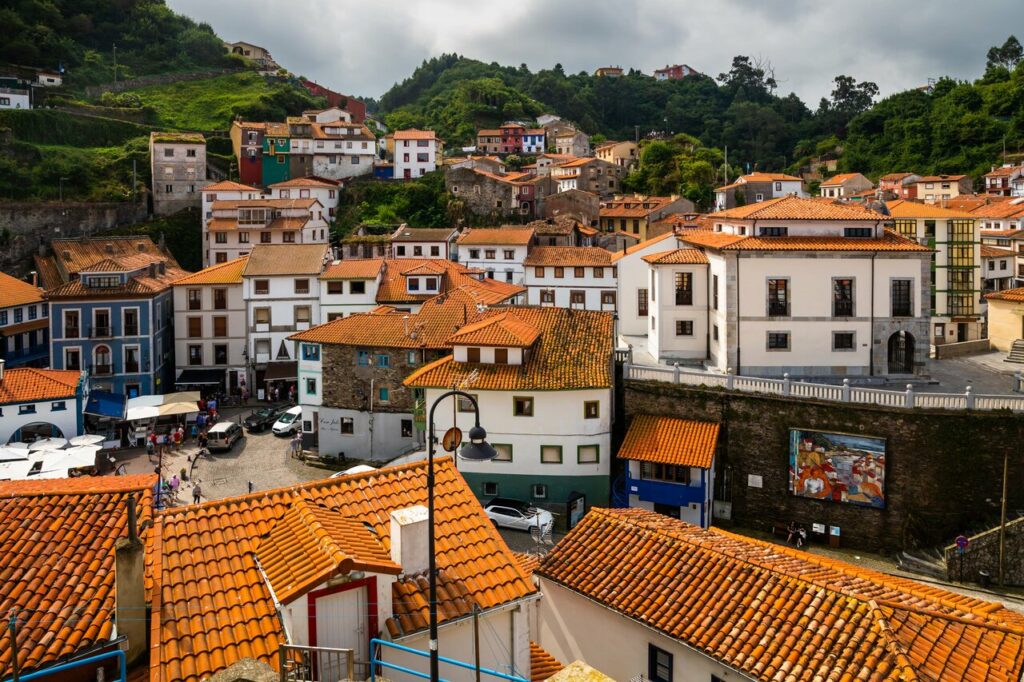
[(178, 170), (40, 403), (500, 252), (844, 186), (635, 214), (24, 324), (933, 189), (416, 153), (578, 277), (236, 226), (755, 187)]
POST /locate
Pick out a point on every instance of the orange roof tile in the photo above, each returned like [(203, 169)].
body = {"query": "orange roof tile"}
[(721, 593), (415, 134), (729, 242), (677, 257), (839, 179), (367, 268), (14, 291), (286, 259), (453, 275), (311, 543), (73, 255), (423, 234), (665, 440), (229, 186), (799, 208), (307, 181), (57, 565), (211, 607), (28, 384), (1003, 170), (504, 329), (1013, 295), (941, 178), (527, 562), (999, 209), (568, 256), (994, 251), (573, 352), (221, 273), (542, 664), (641, 245), (497, 236), (904, 208), (31, 325)]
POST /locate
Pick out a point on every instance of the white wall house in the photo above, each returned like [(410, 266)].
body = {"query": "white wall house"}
[(633, 288), (324, 191), (349, 286), (39, 403), (552, 429), (340, 150), (210, 328), (416, 153), (678, 285), (580, 277), (15, 98), (997, 268), (236, 226), (424, 242), (328, 115), (282, 295), (498, 252), (226, 190)]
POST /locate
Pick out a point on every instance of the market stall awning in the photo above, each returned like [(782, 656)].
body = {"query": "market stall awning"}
[(105, 404), (150, 406), (280, 371), (200, 376)]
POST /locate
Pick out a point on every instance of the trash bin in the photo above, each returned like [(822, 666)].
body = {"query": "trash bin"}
[(985, 578)]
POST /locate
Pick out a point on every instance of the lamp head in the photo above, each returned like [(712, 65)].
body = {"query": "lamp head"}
[(477, 449)]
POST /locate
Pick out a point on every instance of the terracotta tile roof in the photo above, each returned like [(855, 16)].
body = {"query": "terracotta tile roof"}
[(641, 245), (211, 607), (73, 255), (228, 204), (839, 179), (682, 442), (308, 181), (29, 384), (573, 352), (221, 273), (1001, 234), (969, 202), (903, 208), (367, 268), (497, 236), (31, 325), (727, 242), (560, 225), (677, 257), (386, 327), (758, 177), (14, 291), (568, 256), (311, 543), (141, 285), (288, 223), (941, 178), (320, 132), (798, 208), (488, 132), (286, 259), (527, 562), (895, 177), (1013, 295), (415, 134), (1003, 170), (229, 186), (428, 268), (999, 209), (393, 285), (57, 564), (422, 234), (504, 329), (775, 613), (994, 251), (542, 664), (49, 273)]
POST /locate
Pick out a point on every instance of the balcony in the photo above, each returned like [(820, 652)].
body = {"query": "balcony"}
[(842, 309), (131, 330), (684, 297), (72, 332), (98, 332), (102, 370)]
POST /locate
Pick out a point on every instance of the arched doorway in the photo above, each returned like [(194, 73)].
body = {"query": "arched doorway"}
[(901, 353), (36, 431)]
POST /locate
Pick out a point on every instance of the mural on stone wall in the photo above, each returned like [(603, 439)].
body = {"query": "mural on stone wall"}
[(838, 467)]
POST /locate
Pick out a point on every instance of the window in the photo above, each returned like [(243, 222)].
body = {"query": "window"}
[(641, 302), (501, 356), (490, 489), (220, 326), (261, 286), (195, 327), (547, 296), (539, 491), (220, 354), (504, 451), (302, 286), (19, 315), (659, 664), (508, 254), (265, 238), (310, 351), (773, 231), (579, 272), (383, 360), (363, 358), (288, 237), (474, 254), (220, 299), (26, 409), (684, 288), (384, 395), (220, 238), (778, 340), (684, 327), (522, 406), (598, 273), (261, 315), (538, 272), (335, 287), (195, 299), (465, 404), (58, 406), (577, 298), (778, 297), (842, 341), (303, 314), (588, 454), (168, 152), (858, 232), (550, 454), (842, 297), (72, 358), (608, 298), (195, 355), (347, 426), (902, 299), (490, 254), (357, 288), (417, 251), (400, 250), (559, 273), (411, 358), (714, 292), (310, 386)]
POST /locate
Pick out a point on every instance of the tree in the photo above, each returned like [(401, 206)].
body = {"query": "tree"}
[(850, 97), (752, 76), (1006, 56)]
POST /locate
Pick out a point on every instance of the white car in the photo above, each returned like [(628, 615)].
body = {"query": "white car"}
[(506, 513), (288, 423)]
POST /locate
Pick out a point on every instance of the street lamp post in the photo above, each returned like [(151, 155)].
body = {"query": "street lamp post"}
[(478, 450)]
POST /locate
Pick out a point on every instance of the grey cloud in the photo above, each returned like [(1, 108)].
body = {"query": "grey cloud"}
[(363, 48)]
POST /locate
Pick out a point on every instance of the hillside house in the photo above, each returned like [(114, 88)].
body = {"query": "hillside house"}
[(178, 171)]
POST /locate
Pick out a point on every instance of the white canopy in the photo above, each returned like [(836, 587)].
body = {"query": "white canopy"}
[(86, 439), (151, 406), (9, 454), (15, 471), (47, 444)]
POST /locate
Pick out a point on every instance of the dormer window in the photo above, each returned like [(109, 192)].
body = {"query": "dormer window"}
[(472, 354), (773, 232)]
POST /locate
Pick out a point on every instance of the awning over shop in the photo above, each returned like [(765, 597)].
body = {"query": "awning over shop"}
[(150, 406), (197, 376), (106, 404), (281, 371)]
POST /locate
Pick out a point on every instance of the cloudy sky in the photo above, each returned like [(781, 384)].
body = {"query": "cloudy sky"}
[(362, 47)]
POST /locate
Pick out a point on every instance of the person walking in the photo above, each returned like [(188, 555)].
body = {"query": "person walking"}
[(196, 494)]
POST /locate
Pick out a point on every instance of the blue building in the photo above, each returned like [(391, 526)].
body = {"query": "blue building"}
[(534, 141), (24, 329), (112, 312), (671, 466)]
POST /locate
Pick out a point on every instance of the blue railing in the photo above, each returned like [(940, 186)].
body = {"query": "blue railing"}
[(122, 664), (375, 661)]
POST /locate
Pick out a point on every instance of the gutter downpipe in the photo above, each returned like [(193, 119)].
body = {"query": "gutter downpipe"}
[(871, 337)]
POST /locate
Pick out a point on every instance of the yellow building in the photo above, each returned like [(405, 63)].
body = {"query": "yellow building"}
[(1005, 318), (622, 154)]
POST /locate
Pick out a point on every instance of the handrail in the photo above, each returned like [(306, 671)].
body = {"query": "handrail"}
[(375, 661), (118, 654)]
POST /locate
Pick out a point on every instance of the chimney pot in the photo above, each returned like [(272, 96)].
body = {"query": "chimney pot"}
[(409, 542)]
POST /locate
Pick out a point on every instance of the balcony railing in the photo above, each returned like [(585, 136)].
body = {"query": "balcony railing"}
[(71, 332), (842, 309), (102, 370), (100, 332), (684, 297), (131, 330)]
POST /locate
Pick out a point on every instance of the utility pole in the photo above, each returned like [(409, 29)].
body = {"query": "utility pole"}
[(134, 178), (115, 63), (476, 641), (12, 626), (60, 188), (1002, 519)]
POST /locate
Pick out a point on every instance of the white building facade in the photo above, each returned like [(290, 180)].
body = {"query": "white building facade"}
[(236, 226), (579, 277), (498, 252), (416, 153)]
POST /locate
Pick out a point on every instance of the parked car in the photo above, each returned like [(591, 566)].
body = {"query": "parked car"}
[(223, 436), (507, 513), (357, 469), (289, 422), (263, 418)]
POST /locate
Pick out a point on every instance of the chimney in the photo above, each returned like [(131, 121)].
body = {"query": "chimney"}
[(34, 278), (129, 588), (108, 247), (409, 542)]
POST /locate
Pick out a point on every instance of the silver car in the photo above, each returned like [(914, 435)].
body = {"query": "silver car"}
[(507, 513)]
